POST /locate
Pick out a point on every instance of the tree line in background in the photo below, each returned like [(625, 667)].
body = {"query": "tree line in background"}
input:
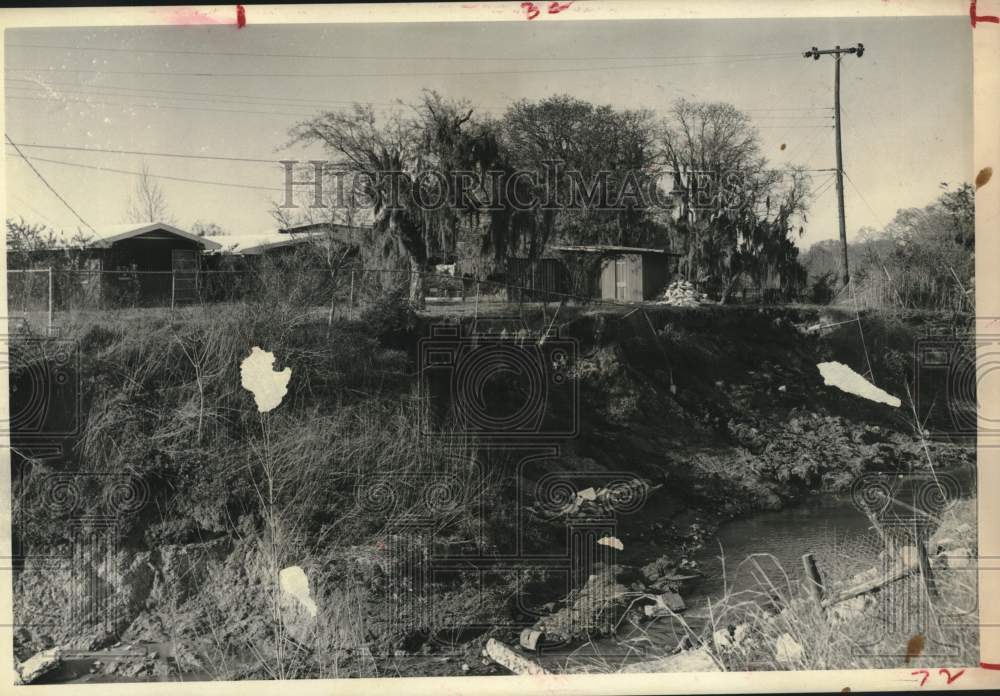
[(731, 217), (924, 257)]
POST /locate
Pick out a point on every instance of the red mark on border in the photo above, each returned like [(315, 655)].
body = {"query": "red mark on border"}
[(187, 16), (241, 17), (992, 19), (949, 677), (531, 10), (989, 665)]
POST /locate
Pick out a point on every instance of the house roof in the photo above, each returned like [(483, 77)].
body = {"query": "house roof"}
[(106, 236), (611, 249), (345, 233), (254, 244)]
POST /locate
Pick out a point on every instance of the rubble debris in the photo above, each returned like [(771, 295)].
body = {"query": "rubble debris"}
[(682, 293), (621, 497), (730, 637), (665, 603), (593, 610), (786, 650), (531, 638), (613, 542), (39, 665), (505, 657)]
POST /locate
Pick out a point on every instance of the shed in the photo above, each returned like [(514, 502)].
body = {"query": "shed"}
[(135, 264), (153, 262), (546, 280), (628, 274)]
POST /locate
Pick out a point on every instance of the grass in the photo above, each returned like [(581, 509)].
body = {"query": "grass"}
[(342, 480)]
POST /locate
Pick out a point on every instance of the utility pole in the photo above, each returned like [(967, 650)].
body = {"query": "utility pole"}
[(837, 52)]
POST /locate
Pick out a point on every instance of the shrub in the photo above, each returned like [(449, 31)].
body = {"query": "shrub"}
[(821, 291)]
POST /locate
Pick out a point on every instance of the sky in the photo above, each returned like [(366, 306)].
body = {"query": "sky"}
[(906, 104)]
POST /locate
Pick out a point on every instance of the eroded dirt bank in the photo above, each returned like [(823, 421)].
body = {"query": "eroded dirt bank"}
[(714, 412)]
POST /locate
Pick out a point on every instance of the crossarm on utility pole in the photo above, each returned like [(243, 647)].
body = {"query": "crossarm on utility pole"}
[(837, 53)]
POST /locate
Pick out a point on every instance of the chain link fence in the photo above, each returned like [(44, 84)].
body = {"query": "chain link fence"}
[(47, 295)]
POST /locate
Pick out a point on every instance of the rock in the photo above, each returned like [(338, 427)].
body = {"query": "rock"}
[(161, 670), (730, 637), (722, 640), (39, 665), (136, 669), (592, 611), (671, 600), (465, 667), (688, 661), (786, 650), (505, 657)]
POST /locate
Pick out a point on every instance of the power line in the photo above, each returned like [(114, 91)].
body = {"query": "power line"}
[(385, 74), (212, 96), (324, 102), (854, 186), (226, 158), (35, 210), (56, 94), (826, 186), (78, 148), (371, 57), (157, 106), (301, 115), (178, 178), (48, 185), (155, 176)]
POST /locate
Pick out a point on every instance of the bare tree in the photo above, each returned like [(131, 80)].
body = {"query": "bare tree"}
[(387, 158), (736, 215), (207, 229), (147, 203)]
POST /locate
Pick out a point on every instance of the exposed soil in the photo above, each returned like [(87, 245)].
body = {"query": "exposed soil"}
[(719, 411)]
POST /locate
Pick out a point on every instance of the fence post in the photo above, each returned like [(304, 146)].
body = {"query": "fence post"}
[(814, 581), (49, 330), (350, 297), (173, 283), (476, 315), (925, 565)]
